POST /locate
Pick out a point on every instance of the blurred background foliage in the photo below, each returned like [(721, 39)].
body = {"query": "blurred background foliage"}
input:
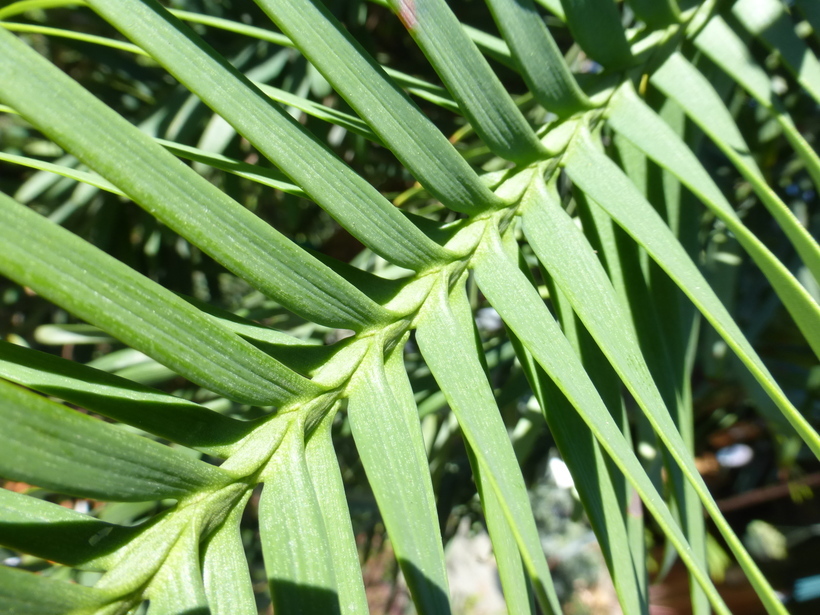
[(764, 479)]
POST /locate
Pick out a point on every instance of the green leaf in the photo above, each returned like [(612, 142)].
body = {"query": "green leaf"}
[(598, 177), (466, 74), (178, 588), (400, 125), (679, 80), (633, 119), (178, 420), (596, 27), (327, 114), (726, 49), (445, 330), (174, 193), (511, 570), (330, 492), (92, 179), (332, 184), (607, 498), (516, 300), (385, 426), (56, 263), (75, 454), (25, 593), (768, 20), (656, 13), (541, 63), (260, 175), (294, 540), (225, 572), (57, 533)]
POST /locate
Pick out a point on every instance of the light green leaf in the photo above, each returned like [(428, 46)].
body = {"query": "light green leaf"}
[(330, 492), (511, 570), (178, 588), (92, 179), (26, 593), (332, 184), (768, 20), (294, 540), (680, 80), (517, 301), (225, 575), (445, 330), (385, 426), (541, 62), (57, 264), (632, 118), (400, 125), (598, 177), (314, 109), (726, 49), (466, 74), (607, 498), (75, 454), (174, 193), (178, 420)]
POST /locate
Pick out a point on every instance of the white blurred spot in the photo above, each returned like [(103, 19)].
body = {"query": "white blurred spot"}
[(560, 473), (735, 455)]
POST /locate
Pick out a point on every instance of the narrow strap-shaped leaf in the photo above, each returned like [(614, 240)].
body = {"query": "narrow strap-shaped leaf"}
[(294, 539), (601, 179), (174, 193), (633, 119), (542, 65), (517, 301), (260, 175), (356, 204), (178, 420), (26, 593), (56, 533), (21, 6), (726, 49), (511, 570), (178, 588), (414, 85), (424, 90), (385, 426), (399, 123), (92, 179), (326, 477), (607, 497), (569, 258), (491, 46), (322, 112), (592, 479), (228, 584), (445, 330), (656, 13), (768, 20), (52, 446), (596, 27), (679, 80), (98, 288), (465, 72)]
